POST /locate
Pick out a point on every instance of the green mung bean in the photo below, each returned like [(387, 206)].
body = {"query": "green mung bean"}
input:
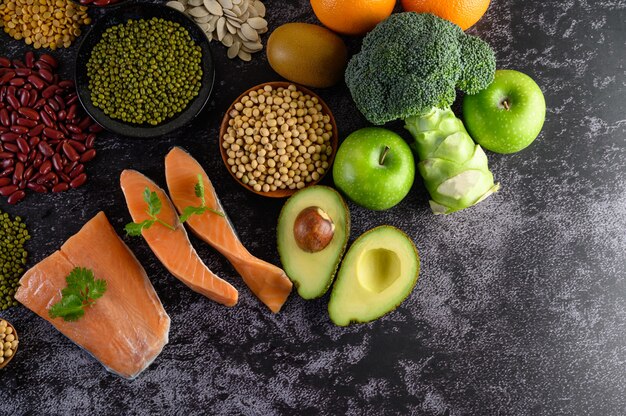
[(13, 236), (144, 71)]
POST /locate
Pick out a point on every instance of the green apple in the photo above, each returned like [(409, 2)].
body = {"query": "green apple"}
[(508, 115), (374, 167)]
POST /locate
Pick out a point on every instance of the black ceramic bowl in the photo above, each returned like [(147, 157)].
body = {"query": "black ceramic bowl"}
[(121, 15)]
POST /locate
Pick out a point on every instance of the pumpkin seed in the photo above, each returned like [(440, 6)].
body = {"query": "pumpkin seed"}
[(175, 5), (253, 46), (221, 28), (249, 33), (257, 23), (228, 40), (244, 56), (260, 8), (203, 19), (198, 12), (213, 7), (229, 13), (232, 29), (226, 4), (194, 3), (233, 50)]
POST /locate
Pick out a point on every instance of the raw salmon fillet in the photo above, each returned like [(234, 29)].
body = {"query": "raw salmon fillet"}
[(268, 282), (173, 247), (127, 327)]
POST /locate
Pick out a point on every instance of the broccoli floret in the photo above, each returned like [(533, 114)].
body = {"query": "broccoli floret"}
[(412, 62)]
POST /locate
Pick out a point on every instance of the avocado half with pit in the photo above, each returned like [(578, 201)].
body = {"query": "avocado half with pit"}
[(377, 274), (313, 229)]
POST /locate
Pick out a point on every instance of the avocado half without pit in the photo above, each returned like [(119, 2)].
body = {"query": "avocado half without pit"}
[(378, 272), (313, 229)]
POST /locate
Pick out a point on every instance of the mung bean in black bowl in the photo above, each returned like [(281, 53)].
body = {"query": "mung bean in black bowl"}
[(144, 70)]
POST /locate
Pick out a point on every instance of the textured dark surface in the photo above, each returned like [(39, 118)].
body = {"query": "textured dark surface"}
[(520, 307)]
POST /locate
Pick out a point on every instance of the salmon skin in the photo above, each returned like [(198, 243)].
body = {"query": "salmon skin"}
[(173, 247), (268, 282), (127, 327)]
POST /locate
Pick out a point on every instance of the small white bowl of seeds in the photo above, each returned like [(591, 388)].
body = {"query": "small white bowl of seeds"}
[(277, 138), (8, 342)]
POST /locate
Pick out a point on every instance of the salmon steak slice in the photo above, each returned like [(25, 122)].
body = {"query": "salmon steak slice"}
[(268, 282), (127, 327), (172, 246)]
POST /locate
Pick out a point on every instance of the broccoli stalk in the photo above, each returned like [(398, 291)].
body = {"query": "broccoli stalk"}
[(409, 68)]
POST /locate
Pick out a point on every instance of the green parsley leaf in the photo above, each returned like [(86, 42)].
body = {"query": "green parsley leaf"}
[(133, 229), (81, 291), (191, 210), (70, 308)]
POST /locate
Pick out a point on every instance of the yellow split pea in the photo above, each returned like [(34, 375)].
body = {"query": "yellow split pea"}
[(43, 23), (278, 139)]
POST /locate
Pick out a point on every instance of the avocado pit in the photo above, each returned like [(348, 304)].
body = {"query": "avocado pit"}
[(313, 229)]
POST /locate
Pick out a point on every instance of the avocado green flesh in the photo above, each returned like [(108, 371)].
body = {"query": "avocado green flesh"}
[(312, 273), (377, 274)]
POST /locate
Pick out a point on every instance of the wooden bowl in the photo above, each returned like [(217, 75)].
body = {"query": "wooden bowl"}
[(334, 141), (8, 360)]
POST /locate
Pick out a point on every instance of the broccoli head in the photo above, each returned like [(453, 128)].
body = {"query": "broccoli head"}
[(412, 62)]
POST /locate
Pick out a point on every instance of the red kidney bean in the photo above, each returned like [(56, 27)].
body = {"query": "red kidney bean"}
[(79, 180), (5, 62), (88, 155), (60, 101), (16, 197), (17, 81), (49, 60), (61, 115), (13, 102), (18, 173), (64, 178), (22, 145), (27, 87), (73, 129), (80, 148), (7, 172), (5, 155), (22, 157), (19, 129), (11, 147), (61, 187), (66, 84), (85, 123), (46, 119), (4, 182), (50, 91), (6, 163), (23, 72), (57, 162), (33, 141), (24, 97), (78, 137), (11, 90), (45, 149), (18, 64), (9, 137), (3, 93), (28, 173), (95, 128), (36, 131), (89, 141), (8, 190), (29, 113), (68, 168), (70, 152), (39, 104), (46, 75), (42, 65), (37, 82), (77, 171), (7, 77), (29, 59), (45, 167), (14, 116), (32, 98), (71, 112), (27, 123), (50, 110), (4, 117), (37, 188), (52, 133)]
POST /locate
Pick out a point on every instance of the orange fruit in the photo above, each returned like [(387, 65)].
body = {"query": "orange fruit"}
[(352, 17), (464, 13)]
